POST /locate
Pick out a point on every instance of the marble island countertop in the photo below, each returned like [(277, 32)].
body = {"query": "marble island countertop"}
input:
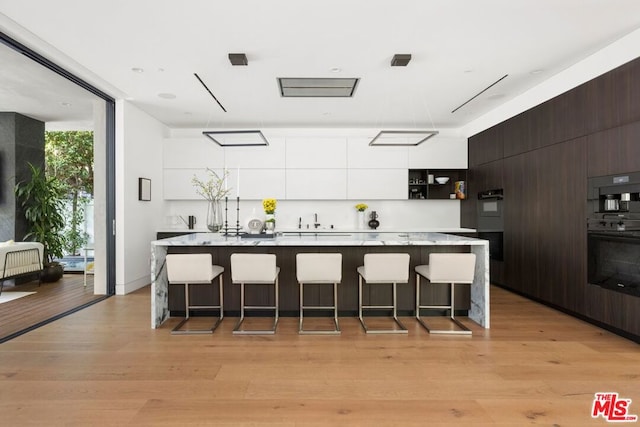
[(357, 241), (319, 238), (345, 230)]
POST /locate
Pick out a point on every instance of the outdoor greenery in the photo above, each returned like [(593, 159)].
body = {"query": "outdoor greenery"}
[(42, 199), (69, 158)]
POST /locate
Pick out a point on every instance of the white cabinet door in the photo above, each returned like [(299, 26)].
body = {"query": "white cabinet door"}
[(258, 184), (184, 153), (177, 185), (439, 153), (361, 155), (270, 157), (316, 153), (316, 184), (377, 184)]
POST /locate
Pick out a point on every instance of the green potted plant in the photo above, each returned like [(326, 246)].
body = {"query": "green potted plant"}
[(41, 199)]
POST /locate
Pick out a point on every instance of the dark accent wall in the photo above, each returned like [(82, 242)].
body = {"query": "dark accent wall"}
[(21, 142), (542, 158)]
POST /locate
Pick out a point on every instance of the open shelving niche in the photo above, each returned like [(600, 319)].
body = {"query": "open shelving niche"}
[(420, 187)]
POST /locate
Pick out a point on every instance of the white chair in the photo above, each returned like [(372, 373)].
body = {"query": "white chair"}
[(446, 268), (378, 269), (319, 268), (255, 269), (195, 269)]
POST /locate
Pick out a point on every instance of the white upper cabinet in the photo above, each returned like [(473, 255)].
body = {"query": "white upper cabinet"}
[(177, 183), (327, 184), (257, 184), (197, 153), (361, 155), (439, 153), (316, 153), (270, 157), (377, 184)]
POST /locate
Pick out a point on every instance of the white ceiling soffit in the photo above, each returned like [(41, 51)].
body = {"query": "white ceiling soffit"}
[(402, 137), (317, 87)]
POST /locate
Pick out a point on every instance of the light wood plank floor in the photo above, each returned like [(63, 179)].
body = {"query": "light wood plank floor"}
[(49, 300), (104, 366)]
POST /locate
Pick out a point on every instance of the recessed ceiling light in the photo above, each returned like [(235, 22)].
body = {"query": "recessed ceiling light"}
[(238, 59), (167, 96), (536, 71), (470, 70), (336, 69), (400, 59), (65, 104), (137, 70)]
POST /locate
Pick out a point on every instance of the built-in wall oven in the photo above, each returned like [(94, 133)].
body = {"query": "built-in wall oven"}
[(613, 232), (490, 221)]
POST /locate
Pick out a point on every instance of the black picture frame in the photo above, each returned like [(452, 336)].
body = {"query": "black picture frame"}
[(144, 189)]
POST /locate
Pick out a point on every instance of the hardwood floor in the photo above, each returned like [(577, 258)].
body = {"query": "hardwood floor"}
[(104, 366), (49, 300)]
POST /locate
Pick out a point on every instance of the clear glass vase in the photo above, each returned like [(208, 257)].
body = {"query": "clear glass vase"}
[(270, 223), (214, 216)]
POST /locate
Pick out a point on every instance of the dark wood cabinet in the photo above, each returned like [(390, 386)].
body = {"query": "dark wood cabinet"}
[(486, 146), (614, 150), (548, 153)]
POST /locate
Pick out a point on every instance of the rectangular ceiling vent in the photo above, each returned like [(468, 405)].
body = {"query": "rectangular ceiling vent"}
[(317, 87)]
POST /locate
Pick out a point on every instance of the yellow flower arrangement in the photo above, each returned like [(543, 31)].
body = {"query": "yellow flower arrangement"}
[(361, 207), (269, 205)]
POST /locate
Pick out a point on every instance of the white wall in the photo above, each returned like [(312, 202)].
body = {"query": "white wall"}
[(138, 155)]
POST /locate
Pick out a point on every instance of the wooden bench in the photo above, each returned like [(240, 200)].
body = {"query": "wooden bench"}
[(18, 259)]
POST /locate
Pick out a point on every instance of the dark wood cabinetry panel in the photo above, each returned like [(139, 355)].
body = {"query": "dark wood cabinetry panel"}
[(568, 115), (521, 227), (545, 223), (614, 150), (486, 146), (562, 214), (613, 99)]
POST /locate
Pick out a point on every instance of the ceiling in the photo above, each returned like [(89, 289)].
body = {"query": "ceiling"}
[(458, 49)]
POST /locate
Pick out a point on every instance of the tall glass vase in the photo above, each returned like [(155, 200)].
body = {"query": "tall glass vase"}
[(214, 215)]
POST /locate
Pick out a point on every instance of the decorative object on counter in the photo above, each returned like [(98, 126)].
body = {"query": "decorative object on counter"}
[(460, 190), (192, 222), (213, 190), (442, 179), (374, 223), (362, 221), (269, 206)]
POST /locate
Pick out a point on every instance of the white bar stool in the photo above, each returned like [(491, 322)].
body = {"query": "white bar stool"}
[(446, 268), (319, 268), (383, 268), (255, 269), (195, 269)]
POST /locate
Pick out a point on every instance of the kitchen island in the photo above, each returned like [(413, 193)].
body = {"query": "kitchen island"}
[(353, 246)]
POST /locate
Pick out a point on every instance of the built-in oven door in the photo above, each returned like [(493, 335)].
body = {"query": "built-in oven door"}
[(490, 221), (614, 261)]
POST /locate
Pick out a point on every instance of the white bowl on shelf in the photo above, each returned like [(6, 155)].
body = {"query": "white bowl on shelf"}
[(442, 179)]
